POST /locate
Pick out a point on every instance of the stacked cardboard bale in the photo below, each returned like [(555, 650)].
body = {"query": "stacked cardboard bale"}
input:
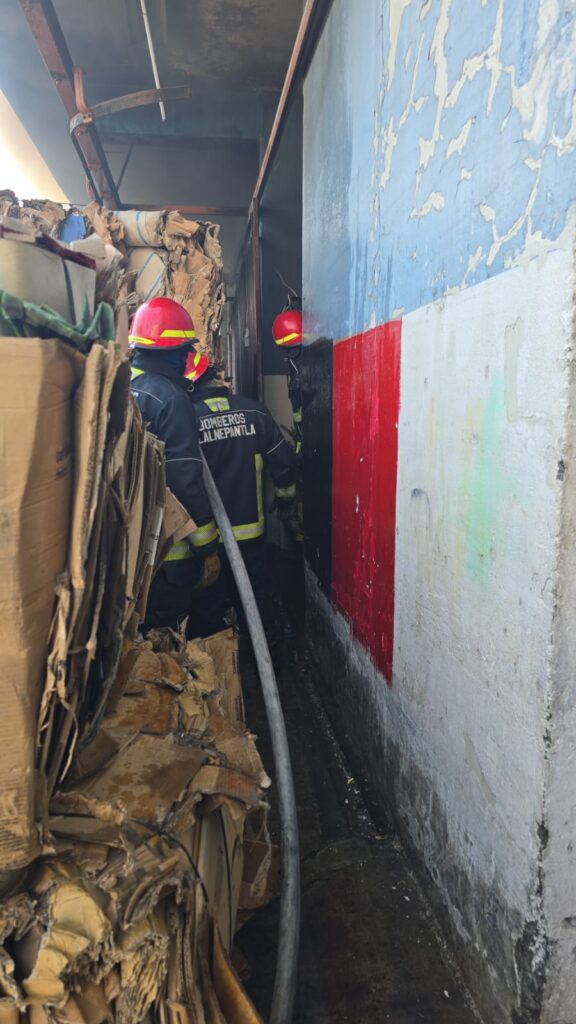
[(169, 255), (81, 495), (132, 810), (140, 255), (41, 214), (132, 915)]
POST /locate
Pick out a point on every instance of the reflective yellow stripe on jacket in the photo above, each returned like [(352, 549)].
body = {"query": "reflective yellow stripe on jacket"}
[(183, 549), (204, 535), (217, 404), (251, 531), (193, 543)]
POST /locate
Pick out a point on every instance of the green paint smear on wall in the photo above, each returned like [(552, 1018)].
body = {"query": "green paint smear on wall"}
[(488, 486)]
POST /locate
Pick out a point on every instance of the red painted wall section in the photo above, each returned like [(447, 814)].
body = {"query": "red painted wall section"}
[(365, 463)]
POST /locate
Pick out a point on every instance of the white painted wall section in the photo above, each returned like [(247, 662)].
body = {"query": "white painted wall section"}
[(484, 394)]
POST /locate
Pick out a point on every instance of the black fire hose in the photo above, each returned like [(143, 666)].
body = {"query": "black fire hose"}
[(289, 928)]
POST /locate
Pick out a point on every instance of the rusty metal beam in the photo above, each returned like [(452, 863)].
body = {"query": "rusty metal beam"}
[(47, 32), (124, 167), (87, 113)]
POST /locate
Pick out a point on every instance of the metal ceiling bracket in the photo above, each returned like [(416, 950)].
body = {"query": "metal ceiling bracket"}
[(146, 97)]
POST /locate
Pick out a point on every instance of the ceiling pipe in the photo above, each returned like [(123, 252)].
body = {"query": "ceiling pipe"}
[(152, 53)]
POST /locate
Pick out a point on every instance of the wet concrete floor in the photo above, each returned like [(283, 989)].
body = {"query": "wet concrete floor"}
[(369, 948)]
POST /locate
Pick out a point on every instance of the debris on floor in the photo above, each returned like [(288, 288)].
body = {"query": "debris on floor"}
[(156, 842), (370, 951)]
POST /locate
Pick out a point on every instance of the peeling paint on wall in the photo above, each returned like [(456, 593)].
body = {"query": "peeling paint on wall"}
[(476, 104), (435, 201)]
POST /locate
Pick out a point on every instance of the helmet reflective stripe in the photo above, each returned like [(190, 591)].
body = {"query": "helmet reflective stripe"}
[(178, 334), (141, 341), (287, 338)]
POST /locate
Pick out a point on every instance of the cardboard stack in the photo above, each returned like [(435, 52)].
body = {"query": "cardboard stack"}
[(158, 839), (139, 255), (132, 810), (169, 255), (40, 214), (81, 497)]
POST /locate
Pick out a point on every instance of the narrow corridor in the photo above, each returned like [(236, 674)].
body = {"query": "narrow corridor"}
[(369, 948)]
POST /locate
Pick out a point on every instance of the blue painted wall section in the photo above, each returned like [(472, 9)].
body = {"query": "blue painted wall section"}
[(439, 149)]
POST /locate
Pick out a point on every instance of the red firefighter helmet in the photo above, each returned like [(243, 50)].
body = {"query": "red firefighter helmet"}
[(161, 324), (196, 364), (287, 328)]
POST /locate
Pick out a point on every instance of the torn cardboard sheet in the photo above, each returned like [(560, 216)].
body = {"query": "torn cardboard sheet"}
[(128, 779), (82, 495), (37, 387), (134, 911), (169, 255)]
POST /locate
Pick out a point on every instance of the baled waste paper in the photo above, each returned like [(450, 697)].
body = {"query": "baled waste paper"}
[(81, 495), (155, 844), (139, 255), (166, 254), (133, 801)]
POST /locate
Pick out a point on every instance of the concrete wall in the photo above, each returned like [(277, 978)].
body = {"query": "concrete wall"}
[(439, 226)]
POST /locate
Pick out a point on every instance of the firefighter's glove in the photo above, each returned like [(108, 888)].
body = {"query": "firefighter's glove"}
[(210, 572)]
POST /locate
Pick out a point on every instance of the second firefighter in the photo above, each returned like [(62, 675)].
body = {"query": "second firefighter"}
[(240, 439)]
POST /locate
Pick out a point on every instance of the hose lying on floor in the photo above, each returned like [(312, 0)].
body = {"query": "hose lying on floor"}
[(289, 928)]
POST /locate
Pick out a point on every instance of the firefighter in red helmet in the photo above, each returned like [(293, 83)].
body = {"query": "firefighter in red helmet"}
[(287, 334), (240, 439), (161, 337), (287, 327)]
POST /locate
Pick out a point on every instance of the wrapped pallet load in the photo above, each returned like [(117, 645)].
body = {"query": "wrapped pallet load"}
[(133, 802)]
